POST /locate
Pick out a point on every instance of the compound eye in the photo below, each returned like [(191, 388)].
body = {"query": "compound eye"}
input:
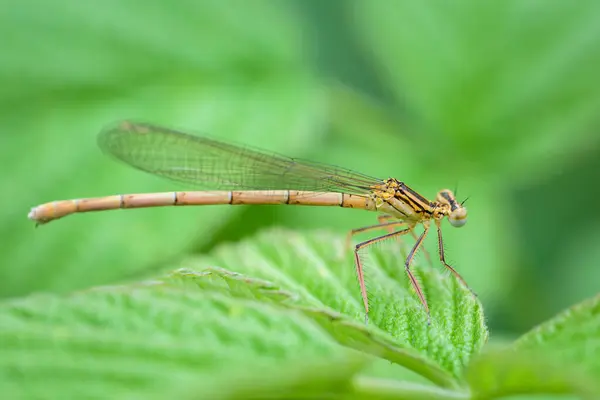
[(458, 217)]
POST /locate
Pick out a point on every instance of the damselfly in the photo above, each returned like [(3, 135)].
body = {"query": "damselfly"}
[(240, 175)]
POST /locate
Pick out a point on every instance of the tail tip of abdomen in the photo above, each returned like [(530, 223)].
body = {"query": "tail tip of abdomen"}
[(34, 216)]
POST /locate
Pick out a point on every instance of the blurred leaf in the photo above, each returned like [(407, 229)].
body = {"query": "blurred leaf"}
[(303, 379), (136, 42), (313, 272), (359, 116), (572, 337), (499, 374), (204, 66), (577, 274), (560, 356), (379, 389), (148, 341), (488, 80)]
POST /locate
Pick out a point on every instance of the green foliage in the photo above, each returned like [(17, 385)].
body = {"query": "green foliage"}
[(286, 304), (494, 97), (149, 340), (560, 356), (499, 98), (321, 272)]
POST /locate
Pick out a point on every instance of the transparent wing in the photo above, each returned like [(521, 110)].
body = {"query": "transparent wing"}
[(211, 164)]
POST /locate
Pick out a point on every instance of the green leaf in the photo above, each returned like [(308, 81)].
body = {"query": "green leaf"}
[(561, 356), (382, 389), (116, 49), (498, 374), (150, 340), (572, 337), (580, 279), (315, 274)]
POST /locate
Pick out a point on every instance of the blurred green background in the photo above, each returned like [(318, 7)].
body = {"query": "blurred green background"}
[(500, 99)]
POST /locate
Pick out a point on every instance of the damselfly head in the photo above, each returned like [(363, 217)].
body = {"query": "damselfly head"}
[(458, 217), (457, 214)]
